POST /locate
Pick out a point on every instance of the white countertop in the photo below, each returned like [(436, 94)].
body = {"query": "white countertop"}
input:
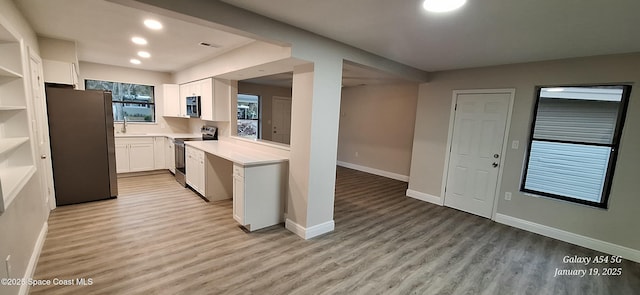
[(237, 153), (169, 135)]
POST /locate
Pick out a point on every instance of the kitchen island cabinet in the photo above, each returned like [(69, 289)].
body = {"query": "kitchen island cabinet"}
[(195, 171), (256, 181)]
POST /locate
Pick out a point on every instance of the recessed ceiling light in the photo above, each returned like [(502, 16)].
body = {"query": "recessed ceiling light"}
[(139, 40), (135, 61), (144, 54), (153, 24), (442, 5)]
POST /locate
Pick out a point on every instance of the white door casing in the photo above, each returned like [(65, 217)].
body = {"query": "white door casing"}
[(281, 120), (476, 148), (41, 125)]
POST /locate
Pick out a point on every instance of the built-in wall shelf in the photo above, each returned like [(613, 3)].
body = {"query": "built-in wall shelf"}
[(6, 73), (17, 159), (8, 144), (12, 108), (12, 180)]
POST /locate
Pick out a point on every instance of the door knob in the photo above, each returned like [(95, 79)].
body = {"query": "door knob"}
[(496, 156), (43, 156), (274, 131), (494, 164)]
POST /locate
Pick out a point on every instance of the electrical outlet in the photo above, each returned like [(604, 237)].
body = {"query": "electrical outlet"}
[(7, 263), (507, 196), (357, 154), (515, 144)]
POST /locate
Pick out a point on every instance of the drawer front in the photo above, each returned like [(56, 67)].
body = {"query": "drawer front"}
[(134, 140), (238, 170)]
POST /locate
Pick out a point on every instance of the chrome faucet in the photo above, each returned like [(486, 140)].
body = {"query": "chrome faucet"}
[(124, 125)]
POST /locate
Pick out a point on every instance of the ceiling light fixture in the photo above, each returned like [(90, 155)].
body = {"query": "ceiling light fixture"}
[(139, 40), (144, 54), (442, 5), (135, 61), (153, 24)]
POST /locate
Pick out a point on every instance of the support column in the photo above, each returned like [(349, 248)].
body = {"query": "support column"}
[(315, 113)]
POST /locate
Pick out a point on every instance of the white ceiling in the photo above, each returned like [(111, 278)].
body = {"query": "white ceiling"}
[(482, 33), (103, 31), (352, 75)]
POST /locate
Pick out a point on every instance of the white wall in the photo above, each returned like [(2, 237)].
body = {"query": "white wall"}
[(22, 222), (377, 121), (614, 225), (60, 50), (96, 71)]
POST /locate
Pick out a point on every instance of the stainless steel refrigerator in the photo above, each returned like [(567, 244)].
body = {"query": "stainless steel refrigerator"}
[(82, 145)]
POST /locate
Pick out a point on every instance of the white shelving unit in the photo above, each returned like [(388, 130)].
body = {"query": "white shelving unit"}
[(17, 163)]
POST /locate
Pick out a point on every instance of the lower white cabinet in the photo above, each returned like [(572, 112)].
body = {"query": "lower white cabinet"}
[(258, 195), (238, 194), (195, 169), (135, 154), (159, 158), (170, 155)]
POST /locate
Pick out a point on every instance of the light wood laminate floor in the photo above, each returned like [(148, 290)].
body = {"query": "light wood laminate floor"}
[(159, 238)]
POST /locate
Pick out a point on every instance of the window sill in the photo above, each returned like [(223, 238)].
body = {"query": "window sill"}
[(528, 194)]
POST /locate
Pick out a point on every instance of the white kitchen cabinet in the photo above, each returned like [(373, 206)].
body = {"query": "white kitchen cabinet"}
[(174, 104), (159, 161), (60, 72), (238, 195), (17, 164), (122, 157), (258, 195), (170, 155), (215, 96), (135, 154), (141, 157), (195, 169)]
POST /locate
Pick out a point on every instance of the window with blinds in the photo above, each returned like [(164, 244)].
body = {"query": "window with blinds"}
[(574, 142)]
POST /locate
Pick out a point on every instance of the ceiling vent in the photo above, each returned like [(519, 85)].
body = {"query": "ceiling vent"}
[(206, 44)]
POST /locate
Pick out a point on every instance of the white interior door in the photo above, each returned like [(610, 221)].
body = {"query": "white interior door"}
[(41, 128), (281, 120), (476, 149)]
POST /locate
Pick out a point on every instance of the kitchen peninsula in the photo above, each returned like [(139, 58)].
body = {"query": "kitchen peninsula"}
[(256, 180)]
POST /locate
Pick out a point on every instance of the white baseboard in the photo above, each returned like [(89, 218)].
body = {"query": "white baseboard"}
[(33, 261), (308, 233), (425, 197), (375, 171), (569, 237)]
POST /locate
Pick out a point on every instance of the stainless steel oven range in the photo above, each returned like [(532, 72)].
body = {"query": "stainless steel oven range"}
[(208, 133)]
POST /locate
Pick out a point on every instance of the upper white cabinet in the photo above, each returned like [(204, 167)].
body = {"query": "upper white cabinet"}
[(216, 106), (215, 96), (16, 151), (60, 72), (174, 104)]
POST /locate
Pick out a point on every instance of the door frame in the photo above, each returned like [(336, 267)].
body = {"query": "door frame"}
[(505, 141), (40, 119), (284, 98)]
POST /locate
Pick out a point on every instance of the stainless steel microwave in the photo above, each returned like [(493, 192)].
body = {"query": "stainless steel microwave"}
[(193, 106)]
